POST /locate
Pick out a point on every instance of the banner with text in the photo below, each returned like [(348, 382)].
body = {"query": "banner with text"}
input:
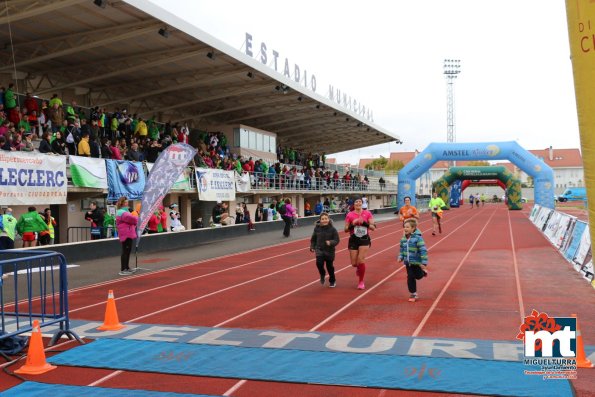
[(171, 162), (88, 172), (32, 178), (125, 178), (215, 185)]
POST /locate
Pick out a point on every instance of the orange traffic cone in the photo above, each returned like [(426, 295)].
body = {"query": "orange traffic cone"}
[(581, 359), (111, 322), (35, 363)]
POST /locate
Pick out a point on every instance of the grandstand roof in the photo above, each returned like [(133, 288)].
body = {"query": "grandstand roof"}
[(136, 55)]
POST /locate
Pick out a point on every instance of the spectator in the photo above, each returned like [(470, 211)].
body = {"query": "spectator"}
[(29, 224), (133, 154), (116, 155), (220, 215), (382, 183), (153, 224), (44, 145), (286, 211), (28, 145), (83, 147), (58, 144), (318, 208), (7, 230), (126, 224), (95, 216), (239, 214), (9, 98), (72, 138), (247, 218), (259, 214), (174, 219), (51, 224), (307, 209)]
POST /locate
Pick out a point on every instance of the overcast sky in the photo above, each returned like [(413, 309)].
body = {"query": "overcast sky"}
[(516, 74)]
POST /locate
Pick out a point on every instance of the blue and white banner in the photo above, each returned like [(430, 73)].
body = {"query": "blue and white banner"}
[(162, 175), (32, 179), (125, 178), (215, 185), (575, 240)]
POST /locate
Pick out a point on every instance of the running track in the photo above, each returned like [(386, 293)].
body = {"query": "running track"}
[(487, 270)]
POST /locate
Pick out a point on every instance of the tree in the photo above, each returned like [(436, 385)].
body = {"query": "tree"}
[(394, 165), (377, 164)]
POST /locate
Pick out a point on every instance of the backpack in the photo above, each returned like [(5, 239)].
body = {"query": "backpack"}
[(12, 345), (282, 209)]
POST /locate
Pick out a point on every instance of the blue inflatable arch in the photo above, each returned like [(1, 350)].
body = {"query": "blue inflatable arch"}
[(542, 174)]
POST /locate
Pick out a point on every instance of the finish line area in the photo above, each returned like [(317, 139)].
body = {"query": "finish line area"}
[(226, 326)]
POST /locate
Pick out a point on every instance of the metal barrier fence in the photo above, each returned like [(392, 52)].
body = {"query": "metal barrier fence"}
[(75, 234), (34, 286), (262, 181)]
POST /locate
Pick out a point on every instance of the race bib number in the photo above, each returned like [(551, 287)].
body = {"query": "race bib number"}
[(360, 231)]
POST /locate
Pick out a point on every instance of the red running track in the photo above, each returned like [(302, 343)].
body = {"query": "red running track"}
[(488, 270)]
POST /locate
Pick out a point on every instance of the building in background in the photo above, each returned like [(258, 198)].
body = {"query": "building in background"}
[(566, 163)]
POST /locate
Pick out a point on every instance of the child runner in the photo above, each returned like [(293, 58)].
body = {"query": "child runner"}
[(358, 223), (414, 254), (324, 240)]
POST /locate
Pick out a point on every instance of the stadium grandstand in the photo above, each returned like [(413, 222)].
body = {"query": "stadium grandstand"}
[(138, 78)]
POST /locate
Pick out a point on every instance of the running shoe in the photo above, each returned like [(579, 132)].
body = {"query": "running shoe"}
[(361, 285), (412, 297), (433, 233), (322, 280), (125, 273), (332, 285)]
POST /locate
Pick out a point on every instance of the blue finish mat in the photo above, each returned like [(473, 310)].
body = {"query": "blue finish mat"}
[(34, 389), (454, 375)]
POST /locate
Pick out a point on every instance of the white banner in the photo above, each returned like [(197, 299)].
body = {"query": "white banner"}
[(584, 249), (32, 179), (242, 182), (183, 181), (88, 172), (215, 185)]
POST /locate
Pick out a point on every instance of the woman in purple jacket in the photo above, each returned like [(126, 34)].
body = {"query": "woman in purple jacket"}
[(126, 225)]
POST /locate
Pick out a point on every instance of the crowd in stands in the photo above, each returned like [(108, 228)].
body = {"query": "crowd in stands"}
[(67, 129), (72, 130)]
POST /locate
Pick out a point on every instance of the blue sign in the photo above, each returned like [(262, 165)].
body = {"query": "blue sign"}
[(125, 178)]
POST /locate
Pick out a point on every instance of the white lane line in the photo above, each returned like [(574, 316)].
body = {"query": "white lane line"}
[(450, 280), (240, 383), (516, 273)]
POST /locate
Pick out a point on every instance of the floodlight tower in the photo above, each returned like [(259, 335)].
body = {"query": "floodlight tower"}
[(452, 67)]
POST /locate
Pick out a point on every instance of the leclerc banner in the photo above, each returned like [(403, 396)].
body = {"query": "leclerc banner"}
[(88, 172), (125, 178), (162, 175), (32, 179), (215, 185)]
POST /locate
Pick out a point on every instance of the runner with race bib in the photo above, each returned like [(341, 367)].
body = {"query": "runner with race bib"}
[(359, 223)]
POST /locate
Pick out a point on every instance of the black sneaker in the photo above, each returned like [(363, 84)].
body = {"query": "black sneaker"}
[(333, 284), (321, 280)]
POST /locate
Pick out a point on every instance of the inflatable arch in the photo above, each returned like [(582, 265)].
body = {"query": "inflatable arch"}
[(542, 174), (513, 185)]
